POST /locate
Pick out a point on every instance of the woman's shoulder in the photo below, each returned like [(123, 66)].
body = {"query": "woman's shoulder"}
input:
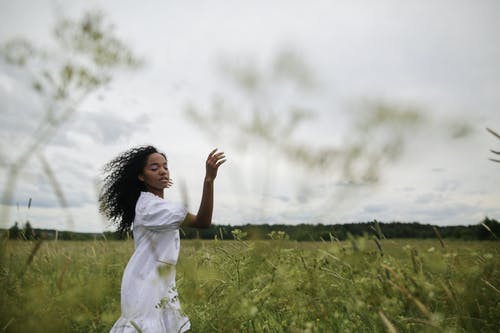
[(146, 201), (150, 203), (154, 211)]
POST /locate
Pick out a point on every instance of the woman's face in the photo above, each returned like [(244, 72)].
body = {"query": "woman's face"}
[(155, 174)]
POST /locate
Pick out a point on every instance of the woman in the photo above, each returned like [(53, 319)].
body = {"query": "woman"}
[(132, 196)]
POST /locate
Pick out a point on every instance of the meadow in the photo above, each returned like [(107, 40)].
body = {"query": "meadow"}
[(277, 285)]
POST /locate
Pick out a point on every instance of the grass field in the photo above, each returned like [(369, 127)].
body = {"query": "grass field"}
[(263, 286)]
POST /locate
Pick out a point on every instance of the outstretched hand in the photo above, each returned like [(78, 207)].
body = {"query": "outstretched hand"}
[(204, 217), (214, 161)]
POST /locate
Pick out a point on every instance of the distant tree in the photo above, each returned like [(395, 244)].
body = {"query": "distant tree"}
[(65, 235), (14, 231), (28, 231), (111, 235), (488, 229)]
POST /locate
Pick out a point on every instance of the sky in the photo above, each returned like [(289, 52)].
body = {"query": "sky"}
[(395, 97)]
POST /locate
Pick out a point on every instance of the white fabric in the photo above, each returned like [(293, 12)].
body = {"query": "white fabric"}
[(149, 298)]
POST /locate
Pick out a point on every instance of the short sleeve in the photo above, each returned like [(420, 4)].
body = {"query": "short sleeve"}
[(158, 214)]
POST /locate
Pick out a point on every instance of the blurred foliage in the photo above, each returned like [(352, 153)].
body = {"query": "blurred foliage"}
[(275, 102), (263, 286), (85, 57)]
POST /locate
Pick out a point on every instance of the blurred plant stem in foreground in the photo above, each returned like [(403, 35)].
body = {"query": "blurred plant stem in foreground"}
[(267, 107), (494, 151), (86, 55)]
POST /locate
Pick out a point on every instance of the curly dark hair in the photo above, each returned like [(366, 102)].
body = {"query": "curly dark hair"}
[(121, 187)]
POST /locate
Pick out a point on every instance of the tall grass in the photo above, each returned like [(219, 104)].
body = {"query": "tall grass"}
[(263, 286)]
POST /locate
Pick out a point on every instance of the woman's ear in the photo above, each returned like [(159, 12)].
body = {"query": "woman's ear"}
[(140, 177)]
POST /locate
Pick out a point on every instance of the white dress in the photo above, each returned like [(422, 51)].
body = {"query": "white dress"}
[(149, 299)]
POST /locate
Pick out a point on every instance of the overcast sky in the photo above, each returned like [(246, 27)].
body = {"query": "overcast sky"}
[(436, 60)]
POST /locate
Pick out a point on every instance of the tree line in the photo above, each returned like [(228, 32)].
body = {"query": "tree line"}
[(488, 229)]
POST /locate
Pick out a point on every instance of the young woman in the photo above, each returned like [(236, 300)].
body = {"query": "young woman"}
[(132, 197)]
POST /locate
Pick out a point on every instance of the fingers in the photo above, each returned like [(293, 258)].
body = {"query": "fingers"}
[(218, 156), (215, 157), (220, 162), (212, 152), (218, 159), (215, 160)]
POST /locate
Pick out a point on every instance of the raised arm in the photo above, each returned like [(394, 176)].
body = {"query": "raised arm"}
[(204, 217)]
